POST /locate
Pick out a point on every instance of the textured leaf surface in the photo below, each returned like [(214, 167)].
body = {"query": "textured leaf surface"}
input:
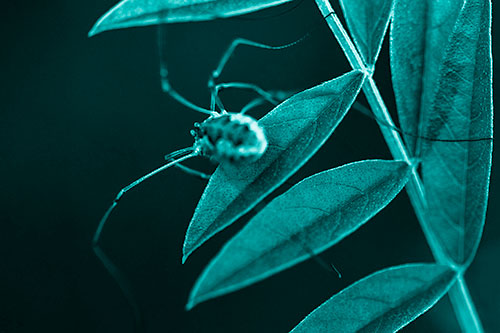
[(367, 21), (295, 130), (456, 175), (310, 217), (385, 301), (419, 35), (134, 13)]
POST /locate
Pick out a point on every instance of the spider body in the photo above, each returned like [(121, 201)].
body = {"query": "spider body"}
[(230, 137)]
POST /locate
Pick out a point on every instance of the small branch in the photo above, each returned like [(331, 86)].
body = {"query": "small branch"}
[(459, 295), (464, 306)]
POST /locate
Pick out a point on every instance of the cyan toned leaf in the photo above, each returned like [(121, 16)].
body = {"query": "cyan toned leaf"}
[(367, 21), (385, 301), (295, 130), (420, 33), (135, 13), (313, 215), (456, 175)]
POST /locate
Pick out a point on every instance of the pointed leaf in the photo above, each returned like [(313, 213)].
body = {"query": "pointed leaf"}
[(419, 36), (456, 175), (385, 301), (134, 13), (295, 130), (367, 21), (312, 216)]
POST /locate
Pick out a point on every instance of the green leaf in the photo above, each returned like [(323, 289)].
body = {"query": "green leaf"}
[(135, 13), (312, 216), (295, 130), (367, 21), (456, 175), (385, 301), (419, 35)]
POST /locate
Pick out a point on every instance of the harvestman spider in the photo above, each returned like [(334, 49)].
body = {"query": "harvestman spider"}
[(223, 137)]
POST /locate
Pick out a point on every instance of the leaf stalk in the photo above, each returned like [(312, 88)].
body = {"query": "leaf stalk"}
[(463, 305)]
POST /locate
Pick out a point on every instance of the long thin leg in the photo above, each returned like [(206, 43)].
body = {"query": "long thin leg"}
[(123, 284), (329, 267), (253, 104), (242, 41), (193, 172), (250, 86), (165, 84), (188, 170), (367, 112), (273, 97), (215, 100), (108, 264), (265, 96)]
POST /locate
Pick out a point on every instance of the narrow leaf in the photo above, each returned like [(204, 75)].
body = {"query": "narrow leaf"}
[(385, 301), (419, 35), (456, 175), (367, 21), (313, 215), (295, 130), (134, 13)]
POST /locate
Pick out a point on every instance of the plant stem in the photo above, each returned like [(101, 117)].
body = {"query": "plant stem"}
[(459, 294), (464, 306)]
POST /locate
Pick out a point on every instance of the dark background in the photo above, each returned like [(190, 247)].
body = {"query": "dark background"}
[(80, 118)]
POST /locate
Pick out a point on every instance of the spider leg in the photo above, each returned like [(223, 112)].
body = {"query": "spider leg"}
[(194, 172), (264, 96), (215, 88), (123, 283), (367, 112), (252, 104), (249, 86), (329, 267), (165, 83), (273, 97), (188, 170), (242, 41), (106, 261)]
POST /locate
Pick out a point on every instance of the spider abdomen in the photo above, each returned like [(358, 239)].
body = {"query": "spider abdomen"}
[(232, 137)]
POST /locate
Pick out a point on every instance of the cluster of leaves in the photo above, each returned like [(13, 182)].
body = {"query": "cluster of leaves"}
[(441, 68)]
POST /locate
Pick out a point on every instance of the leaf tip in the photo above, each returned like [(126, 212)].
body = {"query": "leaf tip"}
[(103, 24), (190, 305), (186, 251), (192, 242), (194, 298), (94, 31), (98, 27)]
